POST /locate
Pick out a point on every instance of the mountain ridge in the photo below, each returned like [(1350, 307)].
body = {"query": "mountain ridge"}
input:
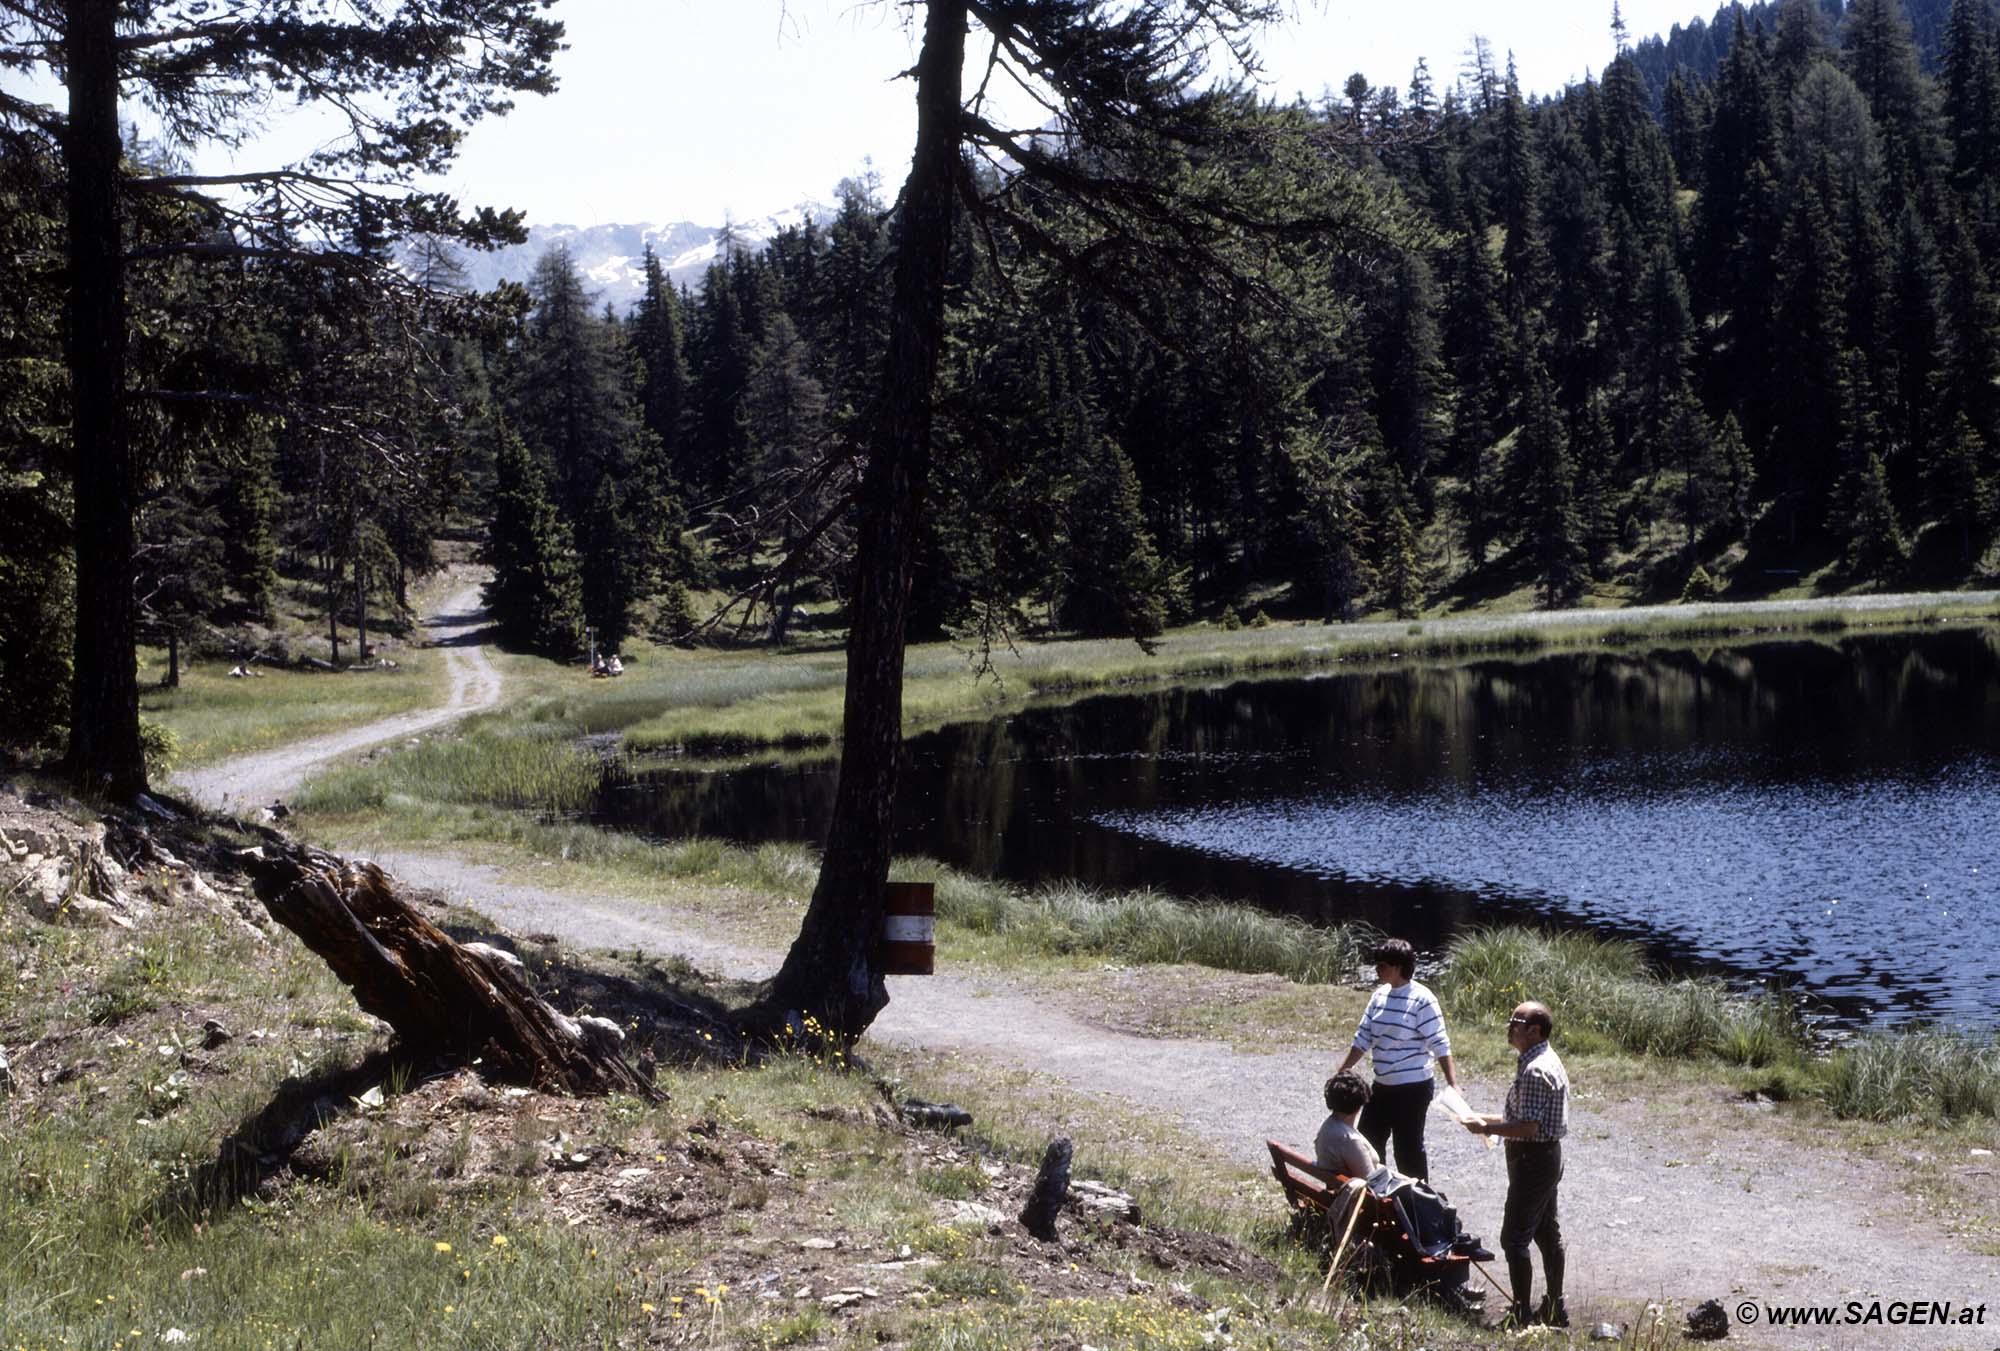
[(612, 257)]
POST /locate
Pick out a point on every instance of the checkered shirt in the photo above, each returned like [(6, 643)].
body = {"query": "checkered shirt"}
[(1540, 1092)]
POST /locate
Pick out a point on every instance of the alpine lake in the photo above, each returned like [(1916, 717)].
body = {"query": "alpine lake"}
[(1815, 812)]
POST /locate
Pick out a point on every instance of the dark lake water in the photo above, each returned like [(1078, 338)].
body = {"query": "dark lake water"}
[(1817, 812)]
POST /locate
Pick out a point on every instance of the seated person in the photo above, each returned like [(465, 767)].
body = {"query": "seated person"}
[(1340, 1148)]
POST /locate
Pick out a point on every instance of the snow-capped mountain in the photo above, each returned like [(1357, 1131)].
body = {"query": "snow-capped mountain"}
[(612, 257)]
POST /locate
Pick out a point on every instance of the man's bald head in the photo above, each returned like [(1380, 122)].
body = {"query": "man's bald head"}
[(1536, 1017)]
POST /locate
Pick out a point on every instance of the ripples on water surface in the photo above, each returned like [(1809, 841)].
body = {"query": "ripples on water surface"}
[(1861, 890), (1817, 811)]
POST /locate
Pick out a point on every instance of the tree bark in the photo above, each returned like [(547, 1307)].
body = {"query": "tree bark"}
[(461, 1001), (105, 752), (832, 972)]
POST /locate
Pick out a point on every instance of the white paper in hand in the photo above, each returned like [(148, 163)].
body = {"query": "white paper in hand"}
[(1457, 1108)]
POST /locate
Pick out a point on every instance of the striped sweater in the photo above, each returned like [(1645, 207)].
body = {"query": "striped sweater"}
[(1401, 1029)]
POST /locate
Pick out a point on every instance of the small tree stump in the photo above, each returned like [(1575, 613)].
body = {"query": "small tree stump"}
[(466, 1001), (1051, 1188)]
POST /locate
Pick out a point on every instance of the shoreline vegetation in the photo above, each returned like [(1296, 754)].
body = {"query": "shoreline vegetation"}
[(722, 703), (519, 778), (1612, 1001)]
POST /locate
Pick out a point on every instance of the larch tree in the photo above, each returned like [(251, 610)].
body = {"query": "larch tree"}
[(401, 79), (1114, 82)]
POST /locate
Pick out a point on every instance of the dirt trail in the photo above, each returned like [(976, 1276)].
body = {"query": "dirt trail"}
[(247, 782), (1674, 1201)]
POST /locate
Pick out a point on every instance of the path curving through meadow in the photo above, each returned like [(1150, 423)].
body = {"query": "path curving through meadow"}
[(1672, 1201), (243, 783)]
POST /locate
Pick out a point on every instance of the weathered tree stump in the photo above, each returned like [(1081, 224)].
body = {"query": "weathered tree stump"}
[(1051, 1188), (457, 1000)]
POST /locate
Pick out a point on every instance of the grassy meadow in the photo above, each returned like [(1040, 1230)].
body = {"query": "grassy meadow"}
[(155, 1071), (212, 716)]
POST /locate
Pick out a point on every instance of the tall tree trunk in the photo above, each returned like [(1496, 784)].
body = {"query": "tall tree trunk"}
[(361, 614), (105, 754), (832, 972), (333, 608)]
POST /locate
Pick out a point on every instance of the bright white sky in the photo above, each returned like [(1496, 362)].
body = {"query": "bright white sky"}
[(696, 109), (690, 109)]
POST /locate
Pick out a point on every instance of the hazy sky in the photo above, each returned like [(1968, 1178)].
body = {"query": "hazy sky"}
[(686, 109), (693, 109)]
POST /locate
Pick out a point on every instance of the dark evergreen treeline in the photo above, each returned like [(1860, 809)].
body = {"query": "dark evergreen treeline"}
[(1752, 335), (1741, 326)]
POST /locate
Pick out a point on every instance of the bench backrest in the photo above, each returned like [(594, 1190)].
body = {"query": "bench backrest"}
[(1307, 1185)]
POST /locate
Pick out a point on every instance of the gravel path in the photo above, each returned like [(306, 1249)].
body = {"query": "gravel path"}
[(247, 782), (1680, 1201), (1677, 1201)]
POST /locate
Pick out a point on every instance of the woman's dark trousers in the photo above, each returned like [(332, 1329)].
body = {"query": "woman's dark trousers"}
[(1398, 1111)]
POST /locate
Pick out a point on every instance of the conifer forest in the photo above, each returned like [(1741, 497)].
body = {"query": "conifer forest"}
[(1723, 316)]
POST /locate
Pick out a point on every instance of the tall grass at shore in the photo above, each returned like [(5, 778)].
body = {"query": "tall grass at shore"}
[(1145, 927), (533, 770), (1930, 1075), (1606, 999)]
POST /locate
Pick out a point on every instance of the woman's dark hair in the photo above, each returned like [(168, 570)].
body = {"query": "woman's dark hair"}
[(1399, 954), (1346, 1092)]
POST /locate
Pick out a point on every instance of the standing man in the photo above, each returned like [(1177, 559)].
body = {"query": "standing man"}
[(1402, 1028), (1533, 1125)]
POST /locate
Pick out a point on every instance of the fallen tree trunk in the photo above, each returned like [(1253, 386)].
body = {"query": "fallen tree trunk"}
[(466, 1001)]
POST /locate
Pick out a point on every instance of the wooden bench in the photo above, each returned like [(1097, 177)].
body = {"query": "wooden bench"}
[(1310, 1191), (1315, 1196)]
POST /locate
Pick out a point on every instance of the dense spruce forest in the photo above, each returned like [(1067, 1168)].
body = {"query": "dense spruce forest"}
[(1719, 320)]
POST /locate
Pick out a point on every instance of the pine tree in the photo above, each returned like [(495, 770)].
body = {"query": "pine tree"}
[(1875, 548), (1814, 370), (37, 573), (248, 506), (1547, 486), (1879, 53), (1731, 251), (787, 489), (1116, 582), (1960, 492), (399, 93), (1737, 472), (571, 394), (657, 341), (1479, 356), (1801, 43), (1524, 265), (1408, 371), (722, 351), (1399, 572), (1686, 109), (535, 594), (1594, 454), (1330, 521)]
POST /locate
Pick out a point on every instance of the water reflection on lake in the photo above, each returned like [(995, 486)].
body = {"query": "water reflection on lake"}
[(1817, 811)]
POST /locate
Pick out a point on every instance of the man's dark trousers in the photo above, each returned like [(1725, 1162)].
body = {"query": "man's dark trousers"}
[(1399, 1110), (1534, 1171)]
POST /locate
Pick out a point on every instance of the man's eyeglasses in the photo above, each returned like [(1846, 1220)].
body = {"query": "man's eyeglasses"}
[(1517, 1022)]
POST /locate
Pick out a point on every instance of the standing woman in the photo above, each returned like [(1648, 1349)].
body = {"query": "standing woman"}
[(1402, 1028)]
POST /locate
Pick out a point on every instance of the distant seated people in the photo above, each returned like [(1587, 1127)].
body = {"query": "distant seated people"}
[(1341, 1148), (614, 666)]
